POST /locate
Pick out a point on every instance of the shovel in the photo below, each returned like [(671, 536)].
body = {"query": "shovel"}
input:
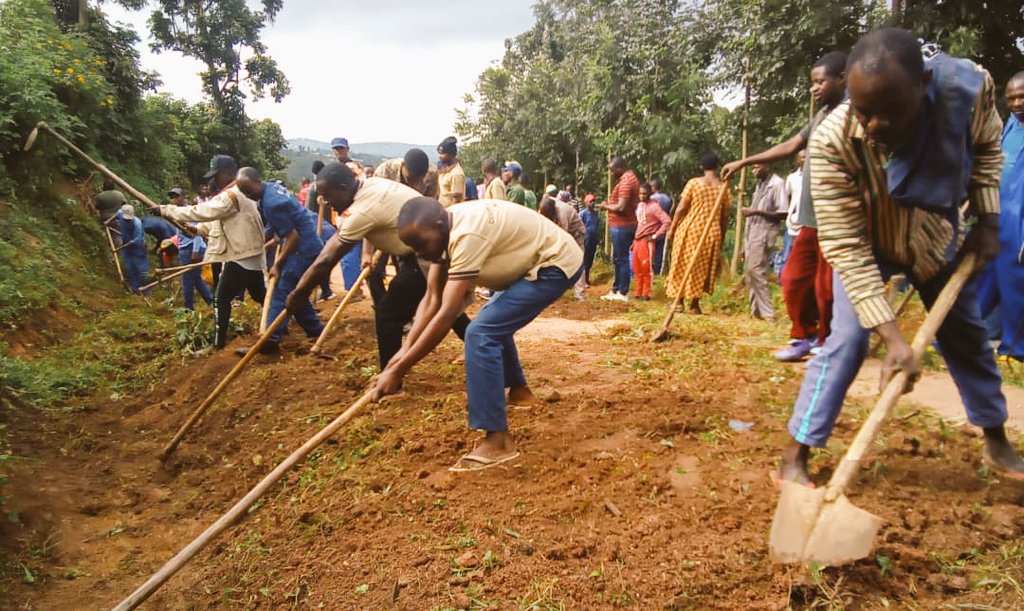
[(664, 333), (822, 525)]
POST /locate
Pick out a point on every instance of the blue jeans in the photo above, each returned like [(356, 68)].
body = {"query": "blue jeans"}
[(307, 317), (589, 251), (659, 254), (962, 341), (622, 239), (783, 255), (492, 361), (136, 267), (351, 265), (192, 280)]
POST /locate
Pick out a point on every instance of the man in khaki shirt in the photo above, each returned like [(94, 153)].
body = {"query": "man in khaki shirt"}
[(494, 186), (450, 176), (414, 170), (500, 245), (368, 209)]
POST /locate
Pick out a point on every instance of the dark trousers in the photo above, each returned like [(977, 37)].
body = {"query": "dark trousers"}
[(234, 280), (589, 251), (397, 306)]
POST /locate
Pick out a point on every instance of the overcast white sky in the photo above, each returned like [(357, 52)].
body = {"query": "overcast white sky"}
[(389, 70)]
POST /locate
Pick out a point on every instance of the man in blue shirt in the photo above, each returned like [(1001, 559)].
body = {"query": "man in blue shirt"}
[(295, 227), (1001, 284), (589, 216), (133, 248)]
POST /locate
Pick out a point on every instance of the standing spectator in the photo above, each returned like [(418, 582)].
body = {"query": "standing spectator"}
[(471, 191), (794, 189), (510, 175), (652, 223), (191, 249), (574, 201), (312, 203), (767, 209), (665, 201), (589, 217), (697, 206), (530, 199), (560, 212), (351, 263), (303, 191), (807, 278), (494, 186), (133, 248), (450, 177), (203, 194), (369, 171), (621, 210), (1002, 282)]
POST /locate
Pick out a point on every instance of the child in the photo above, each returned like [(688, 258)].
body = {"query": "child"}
[(652, 223)]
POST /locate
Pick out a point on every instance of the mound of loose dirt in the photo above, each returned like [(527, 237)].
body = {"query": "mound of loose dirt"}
[(633, 489)]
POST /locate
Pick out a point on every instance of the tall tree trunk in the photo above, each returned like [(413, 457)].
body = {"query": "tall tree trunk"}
[(83, 14)]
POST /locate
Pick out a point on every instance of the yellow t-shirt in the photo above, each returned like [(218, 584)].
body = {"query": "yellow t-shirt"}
[(392, 170), (452, 182), (373, 215), (495, 189), (498, 243)]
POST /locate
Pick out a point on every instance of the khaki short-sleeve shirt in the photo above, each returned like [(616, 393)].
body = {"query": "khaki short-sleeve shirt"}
[(373, 215), (498, 243)]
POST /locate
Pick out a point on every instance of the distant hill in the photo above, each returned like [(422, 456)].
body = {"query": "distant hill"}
[(302, 152)]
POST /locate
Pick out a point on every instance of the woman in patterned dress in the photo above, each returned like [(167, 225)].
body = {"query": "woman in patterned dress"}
[(693, 214)]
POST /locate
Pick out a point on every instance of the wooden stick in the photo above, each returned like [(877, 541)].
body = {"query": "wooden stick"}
[(741, 200), (715, 218), (320, 219), (117, 260), (169, 270), (238, 511), (266, 305), (237, 369), (344, 302), (163, 279), (139, 195)]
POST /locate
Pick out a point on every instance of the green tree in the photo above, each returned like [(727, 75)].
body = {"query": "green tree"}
[(987, 32), (225, 36)]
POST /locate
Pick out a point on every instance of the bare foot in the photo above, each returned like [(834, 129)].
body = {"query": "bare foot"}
[(794, 464), (520, 396), (1000, 454)]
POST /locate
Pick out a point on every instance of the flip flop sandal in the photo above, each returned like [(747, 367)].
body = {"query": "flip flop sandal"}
[(986, 459), (481, 462), (777, 479)]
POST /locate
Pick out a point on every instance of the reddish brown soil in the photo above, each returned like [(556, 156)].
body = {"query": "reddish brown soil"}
[(632, 490)]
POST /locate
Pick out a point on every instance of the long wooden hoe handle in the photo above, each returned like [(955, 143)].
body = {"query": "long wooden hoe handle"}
[(851, 462), (689, 265), (208, 401), (179, 268), (160, 279), (265, 313), (237, 512), (344, 302), (117, 259), (139, 195)]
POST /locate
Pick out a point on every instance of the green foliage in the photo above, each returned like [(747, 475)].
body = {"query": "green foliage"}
[(218, 34), (988, 34)]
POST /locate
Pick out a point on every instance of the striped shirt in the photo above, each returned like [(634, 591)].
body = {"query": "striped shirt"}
[(857, 218)]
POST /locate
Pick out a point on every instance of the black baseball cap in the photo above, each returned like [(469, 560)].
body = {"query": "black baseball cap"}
[(221, 163)]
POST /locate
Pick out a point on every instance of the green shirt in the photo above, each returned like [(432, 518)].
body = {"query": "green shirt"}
[(516, 193), (531, 200)]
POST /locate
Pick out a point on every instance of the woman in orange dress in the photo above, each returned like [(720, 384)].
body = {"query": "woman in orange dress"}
[(696, 210)]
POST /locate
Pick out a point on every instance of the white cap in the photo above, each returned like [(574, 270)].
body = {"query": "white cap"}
[(127, 211)]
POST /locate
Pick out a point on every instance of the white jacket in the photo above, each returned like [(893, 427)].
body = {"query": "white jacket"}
[(230, 221)]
